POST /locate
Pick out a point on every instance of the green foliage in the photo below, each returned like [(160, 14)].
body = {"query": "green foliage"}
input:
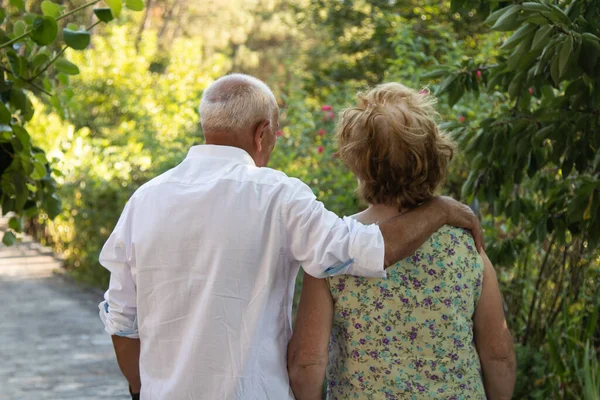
[(30, 57)]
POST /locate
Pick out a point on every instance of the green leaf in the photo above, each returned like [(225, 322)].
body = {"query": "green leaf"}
[(434, 74), (560, 15), (115, 7), (541, 37), (446, 83), (104, 14), (30, 18), (64, 65), (39, 170), (591, 39), (543, 133), (63, 78), (40, 60), (44, 30), (50, 9), (565, 53), (77, 40), (5, 115), (16, 224), (508, 21), (22, 135), (537, 19), (134, 5), (531, 6), (9, 238), (516, 56), (493, 17), (554, 71), (20, 4), (2, 16), (19, 28), (514, 211), (20, 101), (53, 206), (518, 36)]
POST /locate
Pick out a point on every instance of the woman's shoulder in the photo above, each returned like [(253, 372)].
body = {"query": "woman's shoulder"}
[(458, 239)]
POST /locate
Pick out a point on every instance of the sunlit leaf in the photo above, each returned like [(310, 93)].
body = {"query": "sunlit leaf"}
[(134, 5), (115, 7), (50, 9)]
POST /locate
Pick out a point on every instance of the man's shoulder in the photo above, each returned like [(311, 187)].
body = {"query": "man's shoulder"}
[(273, 177), (157, 180)]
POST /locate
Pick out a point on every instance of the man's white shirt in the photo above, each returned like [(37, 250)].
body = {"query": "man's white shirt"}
[(203, 262)]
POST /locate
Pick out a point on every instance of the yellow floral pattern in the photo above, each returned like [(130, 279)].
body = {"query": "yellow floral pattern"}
[(409, 336)]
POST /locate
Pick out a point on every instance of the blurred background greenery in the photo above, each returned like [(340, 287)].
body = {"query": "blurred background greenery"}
[(83, 123)]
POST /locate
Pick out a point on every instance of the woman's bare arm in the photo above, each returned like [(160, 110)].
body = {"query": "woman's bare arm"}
[(493, 339), (308, 349)]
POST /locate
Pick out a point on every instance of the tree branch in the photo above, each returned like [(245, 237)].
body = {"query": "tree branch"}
[(73, 11), (535, 292)]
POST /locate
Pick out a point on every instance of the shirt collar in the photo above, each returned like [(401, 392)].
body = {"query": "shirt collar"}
[(222, 152)]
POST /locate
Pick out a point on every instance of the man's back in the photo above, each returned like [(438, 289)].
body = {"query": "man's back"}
[(209, 301)]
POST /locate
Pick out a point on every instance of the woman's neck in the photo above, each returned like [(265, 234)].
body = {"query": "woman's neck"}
[(378, 213)]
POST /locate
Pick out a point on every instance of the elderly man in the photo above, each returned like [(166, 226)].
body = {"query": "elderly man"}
[(204, 257)]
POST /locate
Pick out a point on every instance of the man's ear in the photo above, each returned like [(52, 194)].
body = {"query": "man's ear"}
[(259, 134)]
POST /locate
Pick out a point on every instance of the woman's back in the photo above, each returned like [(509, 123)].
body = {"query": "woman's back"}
[(410, 335)]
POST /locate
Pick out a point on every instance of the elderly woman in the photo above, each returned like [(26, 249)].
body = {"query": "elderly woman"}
[(435, 328)]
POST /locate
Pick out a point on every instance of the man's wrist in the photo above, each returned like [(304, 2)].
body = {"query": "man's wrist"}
[(134, 396), (441, 209)]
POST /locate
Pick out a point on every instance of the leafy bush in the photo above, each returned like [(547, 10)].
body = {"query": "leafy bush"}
[(33, 62)]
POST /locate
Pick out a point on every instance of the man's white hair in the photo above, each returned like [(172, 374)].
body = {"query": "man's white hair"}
[(235, 102)]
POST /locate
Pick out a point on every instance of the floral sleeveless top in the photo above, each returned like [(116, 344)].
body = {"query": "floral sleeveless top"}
[(409, 336)]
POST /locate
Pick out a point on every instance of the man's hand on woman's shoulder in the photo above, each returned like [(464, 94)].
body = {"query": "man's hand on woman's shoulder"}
[(460, 215)]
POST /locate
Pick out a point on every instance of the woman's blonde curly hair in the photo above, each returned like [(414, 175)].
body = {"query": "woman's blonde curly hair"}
[(391, 142)]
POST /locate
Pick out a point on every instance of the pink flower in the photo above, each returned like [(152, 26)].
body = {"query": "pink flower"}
[(479, 73), (320, 149), (279, 133), (461, 119), (326, 107), (330, 115), (530, 90), (424, 91), (321, 132)]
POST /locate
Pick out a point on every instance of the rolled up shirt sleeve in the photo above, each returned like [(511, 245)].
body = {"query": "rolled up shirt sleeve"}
[(326, 245), (118, 311)]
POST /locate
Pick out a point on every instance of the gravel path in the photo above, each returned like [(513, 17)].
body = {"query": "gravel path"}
[(52, 343)]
